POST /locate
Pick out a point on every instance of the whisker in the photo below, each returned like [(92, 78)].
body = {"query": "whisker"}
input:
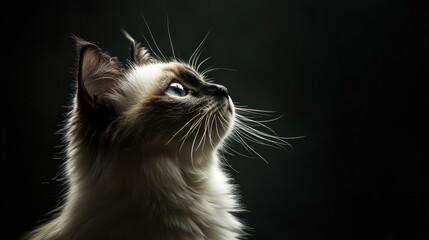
[(255, 152), (153, 39), (210, 131), (246, 109), (193, 125), (197, 58), (217, 130), (199, 65), (249, 128), (209, 80), (204, 131), (182, 128), (190, 130), (255, 123), (216, 69), (193, 143), (204, 72), (224, 122), (150, 46), (250, 138), (196, 51), (169, 37), (224, 160), (237, 152), (265, 136), (275, 136), (219, 119)]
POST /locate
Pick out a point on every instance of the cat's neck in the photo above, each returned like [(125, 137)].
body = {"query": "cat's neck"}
[(144, 175)]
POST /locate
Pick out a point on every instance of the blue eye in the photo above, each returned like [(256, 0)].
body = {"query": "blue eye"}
[(176, 89)]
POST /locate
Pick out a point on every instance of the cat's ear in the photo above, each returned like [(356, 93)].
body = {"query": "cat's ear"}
[(138, 54), (98, 75)]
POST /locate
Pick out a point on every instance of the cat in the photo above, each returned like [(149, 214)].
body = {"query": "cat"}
[(143, 144)]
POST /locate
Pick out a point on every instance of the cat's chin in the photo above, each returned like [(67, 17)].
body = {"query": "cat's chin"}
[(230, 106), (229, 114)]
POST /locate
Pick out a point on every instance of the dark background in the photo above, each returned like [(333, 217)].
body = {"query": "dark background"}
[(346, 74)]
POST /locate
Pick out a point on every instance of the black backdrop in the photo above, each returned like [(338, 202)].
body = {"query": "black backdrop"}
[(346, 74)]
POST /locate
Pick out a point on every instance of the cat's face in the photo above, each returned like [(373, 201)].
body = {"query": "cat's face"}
[(150, 104), (171, 105)]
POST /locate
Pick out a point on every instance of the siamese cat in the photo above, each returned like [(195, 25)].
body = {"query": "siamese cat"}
[(143, 144)]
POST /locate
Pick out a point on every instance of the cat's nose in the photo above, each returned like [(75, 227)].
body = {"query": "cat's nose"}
[(221, 90), (218, 90)]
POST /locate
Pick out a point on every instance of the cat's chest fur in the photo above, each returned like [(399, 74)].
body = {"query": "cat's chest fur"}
[(156, 199)]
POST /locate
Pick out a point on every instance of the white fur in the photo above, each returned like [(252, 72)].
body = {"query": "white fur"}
[(138, 82)]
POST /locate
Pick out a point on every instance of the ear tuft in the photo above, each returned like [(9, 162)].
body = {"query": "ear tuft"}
[(98, 75)]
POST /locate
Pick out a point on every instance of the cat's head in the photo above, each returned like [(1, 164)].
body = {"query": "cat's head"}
[(148, 103)]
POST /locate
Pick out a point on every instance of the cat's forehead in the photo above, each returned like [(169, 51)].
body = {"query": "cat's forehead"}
[(162, 73)]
